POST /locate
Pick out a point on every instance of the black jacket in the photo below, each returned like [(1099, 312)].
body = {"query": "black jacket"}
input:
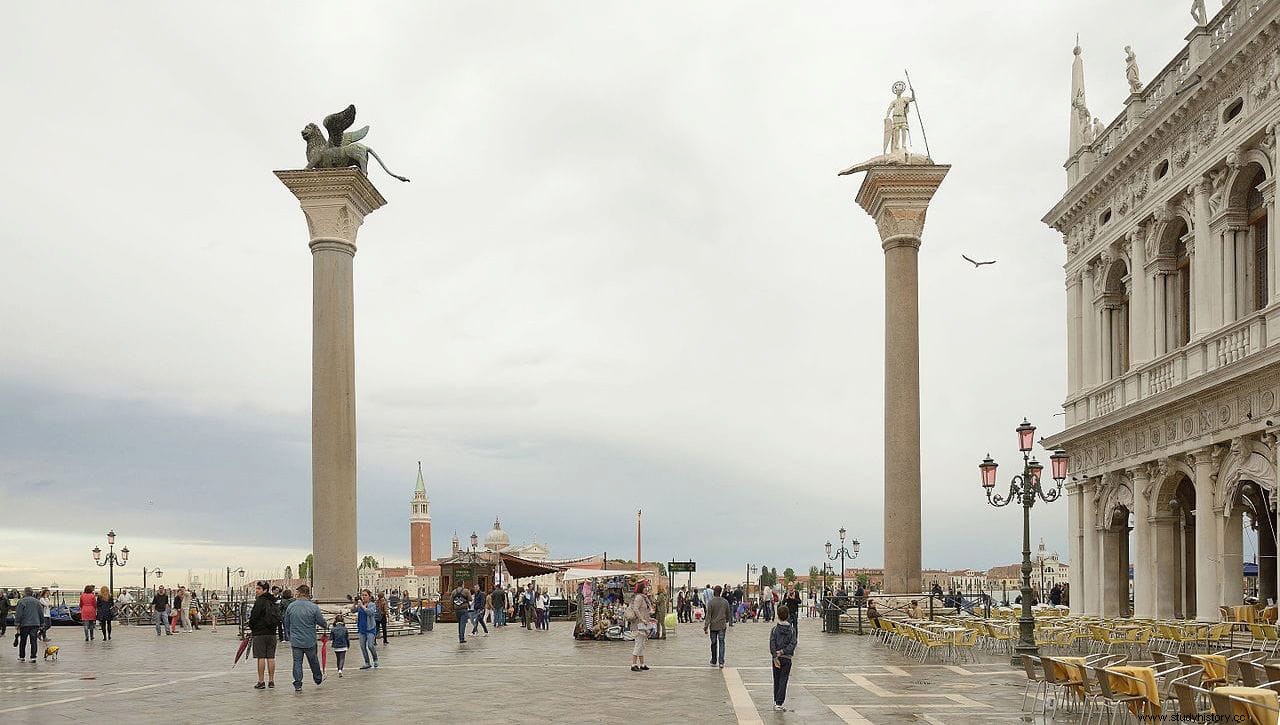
[(265, 616)]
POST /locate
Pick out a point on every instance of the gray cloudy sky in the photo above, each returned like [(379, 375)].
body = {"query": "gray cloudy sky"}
[(625, 274)]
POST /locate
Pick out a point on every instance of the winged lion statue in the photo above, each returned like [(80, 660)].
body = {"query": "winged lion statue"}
[(340, 148)]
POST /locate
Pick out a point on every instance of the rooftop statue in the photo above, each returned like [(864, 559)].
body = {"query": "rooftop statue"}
[(1198, 13), (1131, 70), (897, 134), (340, 149)]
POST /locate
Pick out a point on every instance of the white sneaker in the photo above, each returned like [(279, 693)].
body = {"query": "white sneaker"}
[(779, 708)]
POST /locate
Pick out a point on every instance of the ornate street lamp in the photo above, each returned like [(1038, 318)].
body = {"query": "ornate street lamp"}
[(1025, 488), (112, 559), (155, 572), (231, 595), (852, 553), (475, 540)]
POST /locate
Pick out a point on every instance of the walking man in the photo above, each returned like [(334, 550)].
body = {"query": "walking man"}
[(263, 623), (461, 603), (499, 601), (300, 621), (715, 623), (526, 606), (477, 611), (159, 606), (182, 603), (28, 621)]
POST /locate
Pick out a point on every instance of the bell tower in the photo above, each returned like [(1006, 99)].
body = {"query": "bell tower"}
[(420, 524)]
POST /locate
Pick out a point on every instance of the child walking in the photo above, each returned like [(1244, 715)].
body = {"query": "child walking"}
[(782, 647), (341, 641)]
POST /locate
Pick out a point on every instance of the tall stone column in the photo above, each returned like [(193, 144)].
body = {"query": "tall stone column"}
[(1089, 577), (1144, 585), (1206, 265), (1232, 527), (335, 202), (1141, 330), (1073, 332), (1089, 356), (1075, 545), (1207, 554), (897, 197), (1168, 566)]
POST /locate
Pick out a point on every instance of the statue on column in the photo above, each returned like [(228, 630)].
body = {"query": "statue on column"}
[(340, 149), (897, 133), (1131, 70)]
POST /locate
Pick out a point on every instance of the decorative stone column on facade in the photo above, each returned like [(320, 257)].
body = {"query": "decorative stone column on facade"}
[(1167, 565), (897, 197), (335, 202), (1268, 189), (1089, 575), (1073, 333), (1231, 526), (1144, 572), (1206, 283), (1207, 554), (1109, 572), (1089, 332), (1141, 329), (1075, 544)]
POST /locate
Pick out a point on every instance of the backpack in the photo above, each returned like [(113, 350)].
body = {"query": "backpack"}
[(459, 601), (273, 616)]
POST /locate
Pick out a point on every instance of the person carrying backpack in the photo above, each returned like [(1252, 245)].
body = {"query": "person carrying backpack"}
[(264, 619), (461, 604)]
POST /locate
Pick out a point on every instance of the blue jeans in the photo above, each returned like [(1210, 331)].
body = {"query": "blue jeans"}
[(717, 637), (25, 635), (313, 659), (162, 622), (500, 617), (478, 621), (462, 626), (369, 645), (89, 628)]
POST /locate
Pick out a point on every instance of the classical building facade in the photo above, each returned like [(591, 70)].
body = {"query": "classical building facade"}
[(1173, 325)]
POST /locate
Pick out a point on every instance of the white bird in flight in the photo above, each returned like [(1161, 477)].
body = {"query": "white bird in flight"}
[(976, 264)]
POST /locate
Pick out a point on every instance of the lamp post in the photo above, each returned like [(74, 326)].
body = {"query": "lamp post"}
[(1025, 488), (472, 551), (843, 552), (155, 572), (751, 572), (111, 560), (231, 592)]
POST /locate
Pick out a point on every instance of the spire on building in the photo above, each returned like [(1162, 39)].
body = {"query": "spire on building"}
[(1081, 119), (421, 485)]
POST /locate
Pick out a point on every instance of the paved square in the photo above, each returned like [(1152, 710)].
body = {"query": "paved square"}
[(506, 678)]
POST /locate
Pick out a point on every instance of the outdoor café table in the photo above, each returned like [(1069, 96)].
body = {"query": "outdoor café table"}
[(1146, 686), (1261, 695), (1244, 613), (1068, 668), (1269, 615)]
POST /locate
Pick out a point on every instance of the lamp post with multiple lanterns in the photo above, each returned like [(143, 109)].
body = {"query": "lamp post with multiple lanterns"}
[(1025, 489), (475, 540), (111, 560), (842, 553)]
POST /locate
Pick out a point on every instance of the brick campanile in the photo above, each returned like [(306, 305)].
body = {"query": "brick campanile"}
[(420, 524)]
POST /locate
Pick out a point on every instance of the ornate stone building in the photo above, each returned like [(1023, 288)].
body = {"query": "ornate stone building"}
[(1173, 325)]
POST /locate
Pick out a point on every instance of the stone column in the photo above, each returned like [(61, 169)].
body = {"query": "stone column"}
[(1089, 333), (1089, 578), (1109, 571), (1207, 275), (1167, 566), (897, 196), (1268, 189), (1160, 313), (1141, 331), (1075, 545), (1232, 526), (1073, 333), (1144, 584), (335, 202), (1207, 553)]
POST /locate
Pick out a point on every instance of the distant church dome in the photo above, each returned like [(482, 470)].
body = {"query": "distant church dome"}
[(497, 539)]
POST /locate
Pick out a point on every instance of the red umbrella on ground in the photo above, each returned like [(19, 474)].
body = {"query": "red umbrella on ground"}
[(324, 652), (244, 644)]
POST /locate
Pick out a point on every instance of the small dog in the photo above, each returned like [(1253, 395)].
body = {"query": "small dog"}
[(51, 652)]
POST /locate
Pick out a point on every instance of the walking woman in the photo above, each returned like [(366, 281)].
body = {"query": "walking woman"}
[(643, 607), (46, 605), (383, 615), (214, 605), (106, 612), (89, 612)]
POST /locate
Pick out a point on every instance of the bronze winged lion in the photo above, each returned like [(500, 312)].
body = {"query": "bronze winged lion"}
[(340, 149)]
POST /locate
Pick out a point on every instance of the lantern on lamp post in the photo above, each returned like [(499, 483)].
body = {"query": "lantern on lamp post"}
[(112, 559)]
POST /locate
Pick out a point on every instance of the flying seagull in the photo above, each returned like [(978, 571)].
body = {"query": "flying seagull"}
[(974, 263)]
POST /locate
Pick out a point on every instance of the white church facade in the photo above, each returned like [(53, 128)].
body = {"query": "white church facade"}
[(1173, 324)]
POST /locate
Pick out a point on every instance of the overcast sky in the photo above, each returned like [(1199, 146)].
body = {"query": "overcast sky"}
[(625, 274)]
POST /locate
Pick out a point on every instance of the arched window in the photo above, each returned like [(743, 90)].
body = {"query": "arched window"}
[(1256, 214), (1115, 322), (1182, 281), (1173, 289)]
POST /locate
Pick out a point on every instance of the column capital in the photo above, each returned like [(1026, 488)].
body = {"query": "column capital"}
[(897, 197), (334, 201)]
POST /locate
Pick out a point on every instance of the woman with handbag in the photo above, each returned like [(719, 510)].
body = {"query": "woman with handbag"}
[(640, 615)]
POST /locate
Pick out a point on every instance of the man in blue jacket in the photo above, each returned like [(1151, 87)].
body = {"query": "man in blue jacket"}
[(28, 618), (300, 620)]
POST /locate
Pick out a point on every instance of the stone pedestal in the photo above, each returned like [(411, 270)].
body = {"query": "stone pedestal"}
[(897, 198), (335, 202)]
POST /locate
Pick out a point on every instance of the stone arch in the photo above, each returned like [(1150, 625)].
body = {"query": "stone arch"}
[(1249, 460), (1244, 166), (1117, 496), (1172, 472)]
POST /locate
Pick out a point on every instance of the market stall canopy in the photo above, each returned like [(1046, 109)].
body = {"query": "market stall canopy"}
[(520, 568), (578, 574)]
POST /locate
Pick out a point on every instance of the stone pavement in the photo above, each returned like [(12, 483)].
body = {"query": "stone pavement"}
[(510, 676)]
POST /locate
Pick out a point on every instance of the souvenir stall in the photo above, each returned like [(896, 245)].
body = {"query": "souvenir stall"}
[(602, 596)]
